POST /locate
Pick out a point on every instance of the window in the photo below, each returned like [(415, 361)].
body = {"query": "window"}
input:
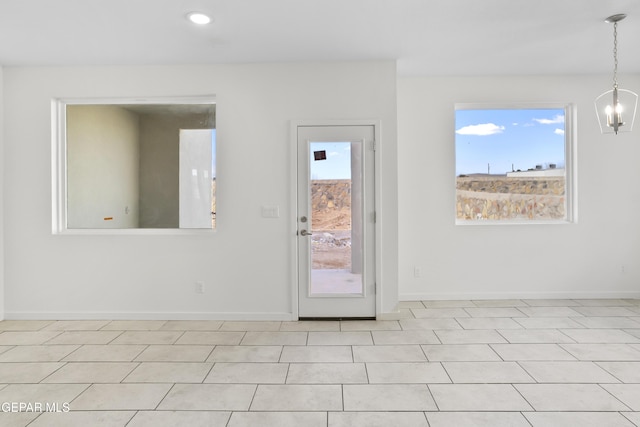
[(134, 164), (514, 164)]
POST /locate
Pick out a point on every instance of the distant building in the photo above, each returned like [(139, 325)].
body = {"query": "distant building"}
[(537, 173)]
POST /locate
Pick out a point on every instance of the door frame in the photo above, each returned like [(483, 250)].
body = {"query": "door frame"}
[(293, 203)]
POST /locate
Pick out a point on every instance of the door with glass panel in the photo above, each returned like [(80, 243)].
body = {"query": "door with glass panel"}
[(336, 222)]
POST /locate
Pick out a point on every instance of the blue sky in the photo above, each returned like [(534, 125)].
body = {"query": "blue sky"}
[(523, 138), (338, 163)]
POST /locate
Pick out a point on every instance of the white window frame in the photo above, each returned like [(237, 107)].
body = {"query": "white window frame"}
[(570, 153), (59, 164)]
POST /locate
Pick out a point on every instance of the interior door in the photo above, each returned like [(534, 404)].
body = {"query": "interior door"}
[(336, 222)]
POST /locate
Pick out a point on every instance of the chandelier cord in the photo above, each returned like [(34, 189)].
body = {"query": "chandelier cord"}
[(615, 54)]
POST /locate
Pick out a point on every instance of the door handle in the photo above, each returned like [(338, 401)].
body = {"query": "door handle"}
[(305, 233)]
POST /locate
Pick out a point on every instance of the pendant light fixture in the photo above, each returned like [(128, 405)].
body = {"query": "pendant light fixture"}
[(616, 108)]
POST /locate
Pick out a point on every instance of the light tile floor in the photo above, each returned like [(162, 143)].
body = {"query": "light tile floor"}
[(537, 363)]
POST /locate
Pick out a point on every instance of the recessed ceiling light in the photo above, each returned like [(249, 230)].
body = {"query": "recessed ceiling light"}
[(198, 18)]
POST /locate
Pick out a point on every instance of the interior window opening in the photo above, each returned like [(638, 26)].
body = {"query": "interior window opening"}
[(137, 165)]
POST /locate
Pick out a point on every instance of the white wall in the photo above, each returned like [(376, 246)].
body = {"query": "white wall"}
[(585, 259), (246, 264), (2, 273), (102, 167)]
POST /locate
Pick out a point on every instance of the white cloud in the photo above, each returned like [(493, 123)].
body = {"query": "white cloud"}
[(483, 129), (557, 119), (559, 131), (334, 153)]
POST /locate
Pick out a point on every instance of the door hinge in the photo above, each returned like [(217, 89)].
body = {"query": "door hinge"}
[(375, 217), (373, 145)]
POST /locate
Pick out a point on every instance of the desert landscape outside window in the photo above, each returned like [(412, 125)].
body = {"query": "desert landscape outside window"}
[(336, 251), (513, 165)]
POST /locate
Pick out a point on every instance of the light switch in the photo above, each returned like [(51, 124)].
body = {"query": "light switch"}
[(271, 211)]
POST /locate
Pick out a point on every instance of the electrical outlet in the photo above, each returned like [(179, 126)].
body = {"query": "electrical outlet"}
[(417, 272), (199, 287)]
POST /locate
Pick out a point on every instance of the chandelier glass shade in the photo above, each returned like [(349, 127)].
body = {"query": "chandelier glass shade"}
[(616, 108)]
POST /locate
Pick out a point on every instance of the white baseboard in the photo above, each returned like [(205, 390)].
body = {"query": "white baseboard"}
[(389, 316), (281, 317), (92, 315), (516, 295)]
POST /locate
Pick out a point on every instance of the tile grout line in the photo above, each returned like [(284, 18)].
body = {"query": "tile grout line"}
[(526, 419), (253, 396), (204, 378), (164, 397), (614, 396), (524, 398), (131, 419)]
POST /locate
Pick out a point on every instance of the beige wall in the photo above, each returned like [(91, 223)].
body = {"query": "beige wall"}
[(159, 166), (102, 167)]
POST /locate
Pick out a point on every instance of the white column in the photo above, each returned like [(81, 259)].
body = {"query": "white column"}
[(356, 208)]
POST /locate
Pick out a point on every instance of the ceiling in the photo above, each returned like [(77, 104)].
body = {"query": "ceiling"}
[(426, 37)]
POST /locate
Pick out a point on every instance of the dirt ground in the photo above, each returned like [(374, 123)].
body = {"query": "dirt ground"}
[(331, 240), (334, 219)]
